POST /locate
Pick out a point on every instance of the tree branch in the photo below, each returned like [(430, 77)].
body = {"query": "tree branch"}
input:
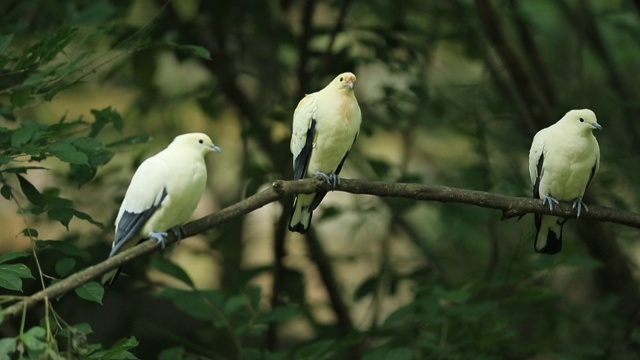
[(509, 205), (537, 104)]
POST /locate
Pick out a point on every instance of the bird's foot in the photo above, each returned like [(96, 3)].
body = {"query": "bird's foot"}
[(551, 201), (178, 231), (578, 203), (159, 236), (331, 179)]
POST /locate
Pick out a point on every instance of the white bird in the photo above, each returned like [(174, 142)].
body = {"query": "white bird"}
[(163, 194), (325, 126), (563, 160)]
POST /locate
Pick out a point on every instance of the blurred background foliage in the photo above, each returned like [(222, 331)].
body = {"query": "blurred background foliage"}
[(451, 92)]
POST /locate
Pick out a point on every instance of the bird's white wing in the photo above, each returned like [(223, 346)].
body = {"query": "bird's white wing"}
[(145, 194), (536, 160), (303, 134)]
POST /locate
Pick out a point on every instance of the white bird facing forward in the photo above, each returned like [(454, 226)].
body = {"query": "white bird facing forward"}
[(563, 160), (163, 194), (325, 126)]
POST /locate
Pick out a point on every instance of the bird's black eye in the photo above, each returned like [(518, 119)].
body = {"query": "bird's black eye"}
[(340, 78), (201, 141), (581, 120)]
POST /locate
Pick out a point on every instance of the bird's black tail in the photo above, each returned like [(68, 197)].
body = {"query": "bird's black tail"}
[(549, 235)]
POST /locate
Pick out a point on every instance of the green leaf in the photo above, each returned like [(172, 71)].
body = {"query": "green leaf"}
[(5, 40), (65, 266), (104, 117), (84, 328), (34, 339), (279, 315), (91, 291), (22, 135), (400, 353), (20, 98), (82, 173), (316, 350), (33, 195), (86, 217), (194, 303), (10, 281), (119, 350), (30, 232), (173, 353), (235, 303), (19, 270), (62, 246), (132, 140), (367, 287), (193, 50), (7, 347), (63, 215), (170, 268), (13, 255), (5, 190), (68, 153)]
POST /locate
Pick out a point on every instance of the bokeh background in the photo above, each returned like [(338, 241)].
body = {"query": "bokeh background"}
[(451, 93)]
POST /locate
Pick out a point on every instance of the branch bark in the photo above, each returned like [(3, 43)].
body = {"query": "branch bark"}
[(509, 205)]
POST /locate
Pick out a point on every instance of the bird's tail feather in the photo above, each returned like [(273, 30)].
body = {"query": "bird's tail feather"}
[(549, 235), (109, 278), (300, 216)]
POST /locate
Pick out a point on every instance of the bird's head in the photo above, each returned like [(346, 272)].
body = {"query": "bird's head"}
[(345, 81), (196, 141), (583, 119)]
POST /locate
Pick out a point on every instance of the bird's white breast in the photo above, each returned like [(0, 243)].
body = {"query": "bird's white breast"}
[(338, 122), (568, 163), (185, 186)]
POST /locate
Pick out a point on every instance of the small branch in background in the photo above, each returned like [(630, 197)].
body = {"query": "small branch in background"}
[(530, 48), (304, 52), (320, 258), (509, 205), (535, 102), (326, 61)]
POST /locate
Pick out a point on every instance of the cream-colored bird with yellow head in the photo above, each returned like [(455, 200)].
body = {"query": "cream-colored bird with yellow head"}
[(163, 194), (563, 160), (325, 126)]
